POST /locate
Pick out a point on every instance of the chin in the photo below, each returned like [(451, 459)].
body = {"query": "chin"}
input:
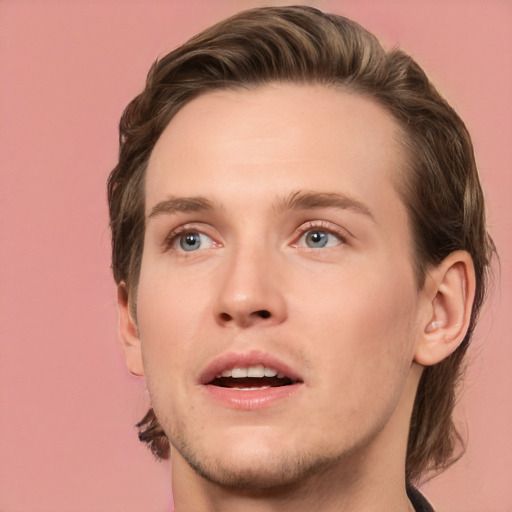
[(256, 471)]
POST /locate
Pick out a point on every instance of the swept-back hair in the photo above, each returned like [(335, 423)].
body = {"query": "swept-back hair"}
[(439, 187)]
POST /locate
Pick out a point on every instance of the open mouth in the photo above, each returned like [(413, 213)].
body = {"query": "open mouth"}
[(250, 381), (252, 377)]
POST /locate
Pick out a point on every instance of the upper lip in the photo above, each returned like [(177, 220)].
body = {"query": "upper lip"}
[(243, 360)]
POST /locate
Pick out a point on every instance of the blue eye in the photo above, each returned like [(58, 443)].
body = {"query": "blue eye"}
[(318, 239), (192, 241)]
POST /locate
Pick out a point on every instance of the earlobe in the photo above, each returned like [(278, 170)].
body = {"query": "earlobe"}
[(451, 286), (128, 333)]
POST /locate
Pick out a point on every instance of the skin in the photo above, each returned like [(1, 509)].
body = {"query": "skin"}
[(347, 317)]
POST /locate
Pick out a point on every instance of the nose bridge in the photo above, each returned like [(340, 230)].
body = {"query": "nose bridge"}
[(249, 290)]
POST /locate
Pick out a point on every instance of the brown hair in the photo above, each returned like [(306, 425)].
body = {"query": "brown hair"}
[(441, 188)]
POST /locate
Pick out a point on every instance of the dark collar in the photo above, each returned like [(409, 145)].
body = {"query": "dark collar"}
[(419, 503)]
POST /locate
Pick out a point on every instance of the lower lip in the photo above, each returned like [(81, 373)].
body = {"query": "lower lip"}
[(251, 399)]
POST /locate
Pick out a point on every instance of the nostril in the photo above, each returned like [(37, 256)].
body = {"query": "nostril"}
[(225, 317), (243, 318)]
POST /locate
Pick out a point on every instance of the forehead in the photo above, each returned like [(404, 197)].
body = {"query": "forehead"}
[(294, 136)]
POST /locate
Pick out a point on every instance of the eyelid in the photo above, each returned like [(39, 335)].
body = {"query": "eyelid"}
[(174, 235), (193, 227), (320, 225)]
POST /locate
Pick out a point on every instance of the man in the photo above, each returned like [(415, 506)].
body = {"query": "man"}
[(300, 249)]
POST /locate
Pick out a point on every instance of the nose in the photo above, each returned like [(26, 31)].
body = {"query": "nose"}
[(251, 291)]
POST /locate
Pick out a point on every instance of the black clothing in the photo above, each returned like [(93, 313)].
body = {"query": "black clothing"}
[(419, 503)]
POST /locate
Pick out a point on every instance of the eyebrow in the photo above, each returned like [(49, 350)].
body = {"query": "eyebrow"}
[(299, 200), (306, 200), (174, 204)]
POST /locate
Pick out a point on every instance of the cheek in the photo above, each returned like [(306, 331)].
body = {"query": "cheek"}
[(169, 304), (367, 330), (164, 329), (169, 314)]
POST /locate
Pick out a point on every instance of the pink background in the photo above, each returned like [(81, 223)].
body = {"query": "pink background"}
[(67, 403)]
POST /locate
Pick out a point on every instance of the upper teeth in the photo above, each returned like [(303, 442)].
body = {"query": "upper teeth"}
[(252, 371)]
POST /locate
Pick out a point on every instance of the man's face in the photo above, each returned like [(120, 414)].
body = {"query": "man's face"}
[(276, 244)]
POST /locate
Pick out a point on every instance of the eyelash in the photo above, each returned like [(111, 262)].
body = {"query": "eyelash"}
[(319, 225), (175, 234)]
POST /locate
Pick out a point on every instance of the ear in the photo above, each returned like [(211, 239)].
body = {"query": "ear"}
[(129, 333), (450, 289)]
